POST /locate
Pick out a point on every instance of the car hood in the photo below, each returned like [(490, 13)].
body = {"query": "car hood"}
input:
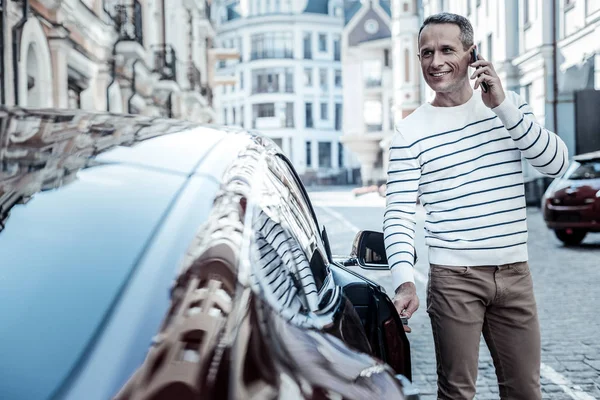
[(80, 196), (576, 192)]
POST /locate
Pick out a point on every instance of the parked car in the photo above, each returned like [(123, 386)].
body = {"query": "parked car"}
[(148, 258), (571, 203)]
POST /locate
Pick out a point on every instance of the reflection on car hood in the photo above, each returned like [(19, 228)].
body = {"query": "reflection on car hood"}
[(80, 195), (43, 149)]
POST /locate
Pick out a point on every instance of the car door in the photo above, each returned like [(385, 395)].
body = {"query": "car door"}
[(378, 320), (330, 310)]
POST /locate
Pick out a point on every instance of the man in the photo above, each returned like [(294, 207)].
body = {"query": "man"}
[(461, 156)]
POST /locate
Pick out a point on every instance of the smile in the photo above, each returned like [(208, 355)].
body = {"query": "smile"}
[(438, 74)]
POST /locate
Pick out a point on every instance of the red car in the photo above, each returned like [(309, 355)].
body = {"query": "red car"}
[(571, 203)]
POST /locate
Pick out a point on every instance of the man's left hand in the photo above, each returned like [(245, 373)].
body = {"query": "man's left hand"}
[(485, 72)]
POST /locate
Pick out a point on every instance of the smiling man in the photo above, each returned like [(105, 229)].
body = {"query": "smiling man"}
[(461, 155)]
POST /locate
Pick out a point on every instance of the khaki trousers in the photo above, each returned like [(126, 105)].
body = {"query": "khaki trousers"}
[(498, 301)]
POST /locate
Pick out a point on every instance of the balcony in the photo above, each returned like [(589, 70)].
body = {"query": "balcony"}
[(272, 53), (194, 76), (207, 93), (268, 123), (373, 83), (374, 127), (165, 62), (127, 19)]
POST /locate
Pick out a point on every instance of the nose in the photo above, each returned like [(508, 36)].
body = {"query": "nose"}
[(438, 59)]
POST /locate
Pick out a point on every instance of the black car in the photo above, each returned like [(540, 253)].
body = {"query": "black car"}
[(148, 258)]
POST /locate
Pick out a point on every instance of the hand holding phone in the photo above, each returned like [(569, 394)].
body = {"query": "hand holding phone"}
[(474, 58)]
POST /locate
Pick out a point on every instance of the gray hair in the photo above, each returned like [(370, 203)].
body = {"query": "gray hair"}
[(466, 29)]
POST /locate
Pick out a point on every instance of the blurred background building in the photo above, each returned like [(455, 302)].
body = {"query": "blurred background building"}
[(381, 78), (288, 81), (149, 57)]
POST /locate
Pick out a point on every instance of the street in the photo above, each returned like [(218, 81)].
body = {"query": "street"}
[(566, 285)]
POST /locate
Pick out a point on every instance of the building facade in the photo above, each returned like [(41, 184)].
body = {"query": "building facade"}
[(381, 78), (133, 56), (288, 80)]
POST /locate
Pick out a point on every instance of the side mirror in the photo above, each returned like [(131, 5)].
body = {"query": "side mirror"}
[(369, 250)]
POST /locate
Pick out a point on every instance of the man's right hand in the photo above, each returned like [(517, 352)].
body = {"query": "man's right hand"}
[(406, 301)]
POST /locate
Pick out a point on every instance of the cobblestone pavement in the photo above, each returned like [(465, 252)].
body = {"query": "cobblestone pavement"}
[(567, 289)]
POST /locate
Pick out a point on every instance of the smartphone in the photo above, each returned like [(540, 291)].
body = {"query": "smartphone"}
[(484, 85)]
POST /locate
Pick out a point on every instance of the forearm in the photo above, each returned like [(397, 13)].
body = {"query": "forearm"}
[(543, 149), (399, 218)]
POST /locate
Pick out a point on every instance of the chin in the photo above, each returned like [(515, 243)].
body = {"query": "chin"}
[(441, 87)]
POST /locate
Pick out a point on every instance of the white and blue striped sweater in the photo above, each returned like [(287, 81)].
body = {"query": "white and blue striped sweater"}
[(464, 164)]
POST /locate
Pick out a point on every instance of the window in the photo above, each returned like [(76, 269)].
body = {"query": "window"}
[(307, 46), (225, 116), (324, 154), (265, 110), (272, 45), (469, 9), (242, 80), (584, 170), (322, 42), (340, 155), (323, 78), (490, 52), (324, 115), (337, 48), (234, 121), (372, 73), (526, 20), (240, 47), (406, 66), (338, 116), (308, 154), (386, 58), (74, 93), (242, 124), (289, 80), (289, 115), (301, 216), (391, 115), (373, 115), (591, 6), (338, 78), (265, 81), (277, 6), (308, 77), (308, 116), (526, 93)]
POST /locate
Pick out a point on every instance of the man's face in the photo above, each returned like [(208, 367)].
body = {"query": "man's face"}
[(444, 62)]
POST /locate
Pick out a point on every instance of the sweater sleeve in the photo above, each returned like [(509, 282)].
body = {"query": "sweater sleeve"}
[(544, 150), (403, 175)]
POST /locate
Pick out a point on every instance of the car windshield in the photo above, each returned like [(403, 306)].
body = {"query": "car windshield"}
[(585, 170)]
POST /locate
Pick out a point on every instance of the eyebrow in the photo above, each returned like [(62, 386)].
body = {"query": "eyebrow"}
[(443, 46)]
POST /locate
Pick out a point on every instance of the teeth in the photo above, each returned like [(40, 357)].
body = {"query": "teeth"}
[(440, 74)]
